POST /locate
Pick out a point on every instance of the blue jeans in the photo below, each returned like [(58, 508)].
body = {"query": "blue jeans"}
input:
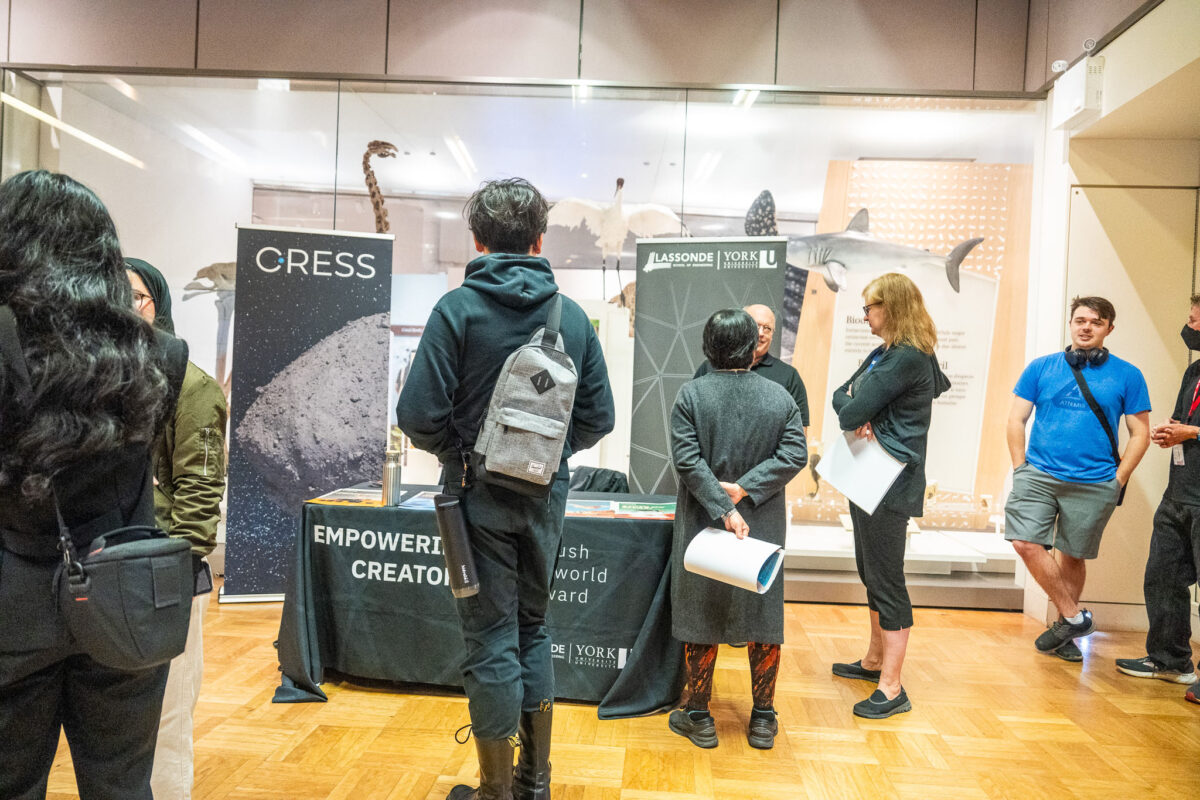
[(1171, 570), (515, 541)]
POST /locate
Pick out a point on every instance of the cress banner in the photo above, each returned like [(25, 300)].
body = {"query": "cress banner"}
[(680, 284), (308, 411)]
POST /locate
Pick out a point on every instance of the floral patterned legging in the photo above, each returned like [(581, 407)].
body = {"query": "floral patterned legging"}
[(701, 664)]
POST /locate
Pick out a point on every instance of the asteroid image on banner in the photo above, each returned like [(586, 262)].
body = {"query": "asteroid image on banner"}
[(303, 443)]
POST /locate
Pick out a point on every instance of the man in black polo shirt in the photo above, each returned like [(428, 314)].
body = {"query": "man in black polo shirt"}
[(1174, 560), (770, 367)]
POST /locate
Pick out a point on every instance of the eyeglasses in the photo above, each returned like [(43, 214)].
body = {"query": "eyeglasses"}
[(140, 298), (765, 329), (867, 308)]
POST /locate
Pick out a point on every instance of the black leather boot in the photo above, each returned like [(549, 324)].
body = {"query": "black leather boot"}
[(531, 778), (495, 772)]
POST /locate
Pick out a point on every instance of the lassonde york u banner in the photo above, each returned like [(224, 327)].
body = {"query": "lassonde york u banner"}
[(680, 283), (308, 411)]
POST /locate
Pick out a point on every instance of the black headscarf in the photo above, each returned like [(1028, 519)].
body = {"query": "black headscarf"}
[(156, 285)]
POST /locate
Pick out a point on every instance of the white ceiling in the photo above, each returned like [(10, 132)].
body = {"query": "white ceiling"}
[(567, 144)]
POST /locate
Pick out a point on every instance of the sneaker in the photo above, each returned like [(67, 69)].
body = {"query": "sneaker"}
[(763, 727), (856, 670), (1191, 696), (877, 706), (1069, 651), (1149, 668), (1062, 631), (701, 732)]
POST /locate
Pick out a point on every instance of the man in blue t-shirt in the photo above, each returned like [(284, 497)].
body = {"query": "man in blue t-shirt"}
[(1066, 485)]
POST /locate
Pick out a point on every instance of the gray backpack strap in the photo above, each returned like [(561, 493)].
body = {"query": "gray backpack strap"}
[(553, 322)]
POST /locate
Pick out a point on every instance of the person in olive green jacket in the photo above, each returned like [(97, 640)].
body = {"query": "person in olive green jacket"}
[(189, 481)]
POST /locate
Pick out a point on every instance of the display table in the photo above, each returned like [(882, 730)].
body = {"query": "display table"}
[(368, 597)]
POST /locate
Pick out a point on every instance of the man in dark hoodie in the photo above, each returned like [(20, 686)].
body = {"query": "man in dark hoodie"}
[(508, 674), (189, 480)]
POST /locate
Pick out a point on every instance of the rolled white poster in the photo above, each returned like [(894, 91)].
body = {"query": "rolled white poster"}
[(749, 563)]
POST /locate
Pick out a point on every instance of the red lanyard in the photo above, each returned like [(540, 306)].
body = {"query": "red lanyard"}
[(1195, 399)]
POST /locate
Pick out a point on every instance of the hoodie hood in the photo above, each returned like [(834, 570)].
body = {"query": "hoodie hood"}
[(940, 382), (516, 281), (156, 285)]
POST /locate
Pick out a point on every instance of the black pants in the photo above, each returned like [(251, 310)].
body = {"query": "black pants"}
[(879, 541), (1171, 569), (508, 668), (110, 716)]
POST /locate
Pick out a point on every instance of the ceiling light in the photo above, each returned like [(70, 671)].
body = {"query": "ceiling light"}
[(215, 149), (70, 130), (461, 156), (708, 162), (745, 97), (123, 87)]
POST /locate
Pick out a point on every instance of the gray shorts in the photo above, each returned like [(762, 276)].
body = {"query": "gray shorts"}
[(1068, 516)]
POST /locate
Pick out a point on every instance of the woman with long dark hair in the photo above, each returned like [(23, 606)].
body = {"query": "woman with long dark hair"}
[(889, 398), (78, 436), (737, 438)]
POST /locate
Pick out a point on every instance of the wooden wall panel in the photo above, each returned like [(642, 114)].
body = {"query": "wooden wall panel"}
[(701, 42), (299, 36), (484, 39), (1071, 21), (1001, 27), (4, 11), (158, 34), (1037, 68), (901, 45)]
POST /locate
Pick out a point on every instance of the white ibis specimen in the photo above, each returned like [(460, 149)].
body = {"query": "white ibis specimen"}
[(612, 222)]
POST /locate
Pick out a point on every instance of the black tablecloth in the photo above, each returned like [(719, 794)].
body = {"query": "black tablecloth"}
[(367, 596)]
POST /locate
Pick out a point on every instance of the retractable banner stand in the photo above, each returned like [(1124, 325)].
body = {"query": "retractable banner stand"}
[(680, 283), (308, 411)]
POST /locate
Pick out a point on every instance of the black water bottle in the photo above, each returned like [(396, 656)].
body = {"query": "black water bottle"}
[(456, 546)]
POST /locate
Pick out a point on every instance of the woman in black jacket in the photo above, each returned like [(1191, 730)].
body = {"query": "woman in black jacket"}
[(79, 433), (890, 399)]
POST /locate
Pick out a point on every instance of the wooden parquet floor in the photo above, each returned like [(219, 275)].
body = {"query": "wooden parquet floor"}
[(992, 718)]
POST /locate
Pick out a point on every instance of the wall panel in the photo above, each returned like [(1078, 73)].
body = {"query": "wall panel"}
[(700, 42), (484, 39), (293, 36), (1070, 22), (902, 45), (1134, 246), (1037, 68), (1001, 27), (158, 34), (4, 10)]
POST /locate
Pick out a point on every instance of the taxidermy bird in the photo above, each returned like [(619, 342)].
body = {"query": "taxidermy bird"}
[(612, 222)]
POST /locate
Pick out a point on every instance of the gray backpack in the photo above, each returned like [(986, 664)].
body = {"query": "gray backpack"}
[(521, 438)]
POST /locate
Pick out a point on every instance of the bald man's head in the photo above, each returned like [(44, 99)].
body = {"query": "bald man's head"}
[(765, 318)]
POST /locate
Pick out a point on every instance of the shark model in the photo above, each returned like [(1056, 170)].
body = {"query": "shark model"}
[(855, 249)]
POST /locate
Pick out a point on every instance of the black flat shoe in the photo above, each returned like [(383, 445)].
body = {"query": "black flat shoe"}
[(856, 670), (877, 706)]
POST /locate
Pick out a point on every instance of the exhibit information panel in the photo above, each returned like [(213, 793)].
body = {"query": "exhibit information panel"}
[(308, 408), (965, 322), (680, 284)]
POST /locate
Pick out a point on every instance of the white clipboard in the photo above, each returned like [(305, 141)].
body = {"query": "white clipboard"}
[(860, 469)]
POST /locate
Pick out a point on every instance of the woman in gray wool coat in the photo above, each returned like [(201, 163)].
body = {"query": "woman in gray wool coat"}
[(736, 440)]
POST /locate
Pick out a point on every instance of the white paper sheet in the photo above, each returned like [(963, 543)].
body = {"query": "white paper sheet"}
[(860, 469), (749, 563)]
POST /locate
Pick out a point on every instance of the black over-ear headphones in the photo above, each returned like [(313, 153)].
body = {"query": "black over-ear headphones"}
[(1077, 358)]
